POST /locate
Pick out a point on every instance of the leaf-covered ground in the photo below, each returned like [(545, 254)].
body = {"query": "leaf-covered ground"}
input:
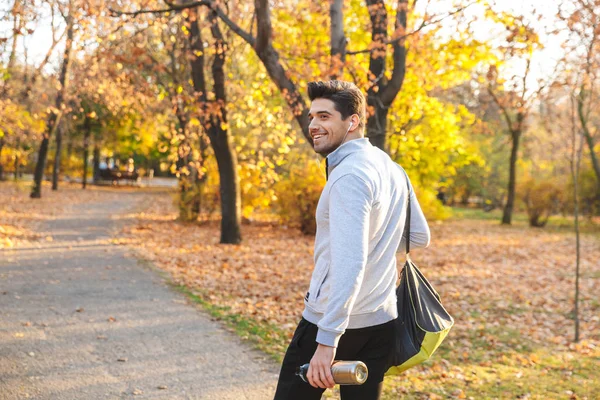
[(21, 218), (510, 290)]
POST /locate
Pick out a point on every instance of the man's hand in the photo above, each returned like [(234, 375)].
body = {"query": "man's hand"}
[(319, 371)]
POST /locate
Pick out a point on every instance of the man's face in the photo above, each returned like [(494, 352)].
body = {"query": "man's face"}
[(326, 127)]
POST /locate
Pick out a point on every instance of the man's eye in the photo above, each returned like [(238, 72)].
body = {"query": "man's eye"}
[(323, 116)]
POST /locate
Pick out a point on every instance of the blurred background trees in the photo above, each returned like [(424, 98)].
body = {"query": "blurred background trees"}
[(466, 96)]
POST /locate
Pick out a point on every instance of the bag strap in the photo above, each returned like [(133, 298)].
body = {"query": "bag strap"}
[(407, 223)]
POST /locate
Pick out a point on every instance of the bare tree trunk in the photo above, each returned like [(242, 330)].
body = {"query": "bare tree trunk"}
[(214, 122), (229, 187), (231, 202), (575, 168), (87, 126), (1, 167), (512, 180), (96, 163), (382, 92), (203, 145), (589, 140), (270, 58), (56, 169), (183, 151), (377, 123), (17, 163), (54, 118), (338, 39), (577, 258), (69, 146), (187, 174)]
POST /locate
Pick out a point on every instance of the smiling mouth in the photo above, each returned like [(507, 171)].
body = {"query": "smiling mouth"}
[(319, 136)]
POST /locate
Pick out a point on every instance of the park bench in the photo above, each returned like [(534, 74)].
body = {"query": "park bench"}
[(115, 176)]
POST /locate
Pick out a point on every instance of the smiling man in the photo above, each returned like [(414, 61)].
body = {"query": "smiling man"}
[(350, 306)]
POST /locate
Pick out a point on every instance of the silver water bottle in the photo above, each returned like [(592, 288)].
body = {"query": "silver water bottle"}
[(344, 372)]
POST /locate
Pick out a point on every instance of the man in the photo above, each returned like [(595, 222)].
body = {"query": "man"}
[(351, 303)]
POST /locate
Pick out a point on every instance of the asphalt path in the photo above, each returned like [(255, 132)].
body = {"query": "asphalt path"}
[(82, 319)]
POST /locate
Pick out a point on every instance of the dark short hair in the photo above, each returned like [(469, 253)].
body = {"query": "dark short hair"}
[(346, 96)]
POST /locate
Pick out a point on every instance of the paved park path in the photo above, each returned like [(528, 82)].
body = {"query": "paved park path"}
[(79, 319)]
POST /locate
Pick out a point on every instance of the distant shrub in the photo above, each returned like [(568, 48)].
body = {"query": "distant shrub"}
[(432, 207), (542, 198), (589, 203), (298, 195)]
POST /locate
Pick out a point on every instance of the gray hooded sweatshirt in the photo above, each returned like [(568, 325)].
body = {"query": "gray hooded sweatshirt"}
[(360, 220)]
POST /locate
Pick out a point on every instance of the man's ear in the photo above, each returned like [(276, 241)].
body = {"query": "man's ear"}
[(355, 121)]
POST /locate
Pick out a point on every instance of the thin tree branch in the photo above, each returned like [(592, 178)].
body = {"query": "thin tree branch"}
[(509, 121), (179, 7), (527, 69), (38, 70), (391, 89), (423, 25)]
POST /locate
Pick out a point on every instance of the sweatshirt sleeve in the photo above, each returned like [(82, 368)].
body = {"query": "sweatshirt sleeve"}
[(419, 230), (350, 201)]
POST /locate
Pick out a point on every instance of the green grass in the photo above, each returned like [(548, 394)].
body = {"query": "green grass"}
[(556, 223), (500, 364), (480, 214)]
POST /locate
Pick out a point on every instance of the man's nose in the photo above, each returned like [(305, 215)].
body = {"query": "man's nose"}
[(312, 126)]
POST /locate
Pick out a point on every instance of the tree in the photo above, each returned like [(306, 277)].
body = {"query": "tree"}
[(575, 163), (57, 111), (18, 125), (18, 81), (284, 63), (582, 19), (513, 94), (213, 115), (168, 61), (381, 90), (261, 43), (559, 113)]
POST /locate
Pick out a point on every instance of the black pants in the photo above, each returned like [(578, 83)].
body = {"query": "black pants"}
[(371, 345)]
